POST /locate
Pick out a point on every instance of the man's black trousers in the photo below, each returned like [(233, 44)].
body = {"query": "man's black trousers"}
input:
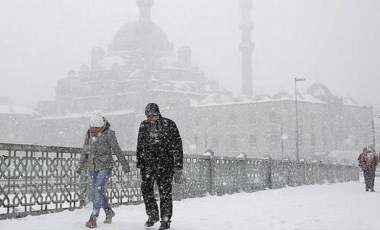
[(369, 177), (163, 178)]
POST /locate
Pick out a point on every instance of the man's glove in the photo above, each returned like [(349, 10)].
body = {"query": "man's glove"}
[(178, 176), (126, 169)]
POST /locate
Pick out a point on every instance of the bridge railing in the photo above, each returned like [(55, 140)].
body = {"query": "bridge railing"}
[(41, 179)]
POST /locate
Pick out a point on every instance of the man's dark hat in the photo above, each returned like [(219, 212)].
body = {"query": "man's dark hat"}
[(152, 108)]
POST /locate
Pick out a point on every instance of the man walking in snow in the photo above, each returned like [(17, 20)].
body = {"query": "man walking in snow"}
[(369, 161), (159, 157)]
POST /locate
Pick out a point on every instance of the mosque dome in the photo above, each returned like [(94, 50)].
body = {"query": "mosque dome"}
[(320, 91), (139, 36)]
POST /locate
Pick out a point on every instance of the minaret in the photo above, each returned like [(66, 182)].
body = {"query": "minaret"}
[(246, 46), (145, 6), (145, 32)]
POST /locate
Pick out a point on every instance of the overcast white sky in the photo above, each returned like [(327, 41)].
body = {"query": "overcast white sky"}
[(335, 42)]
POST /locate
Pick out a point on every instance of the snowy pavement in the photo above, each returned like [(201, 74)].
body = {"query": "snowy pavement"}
[(343, 206)]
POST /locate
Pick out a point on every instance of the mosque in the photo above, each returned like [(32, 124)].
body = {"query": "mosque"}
[(141, 66)]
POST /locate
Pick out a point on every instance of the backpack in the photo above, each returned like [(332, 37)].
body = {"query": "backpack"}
[(369, 159)]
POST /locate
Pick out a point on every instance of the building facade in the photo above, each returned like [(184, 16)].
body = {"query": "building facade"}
[(15, 122)]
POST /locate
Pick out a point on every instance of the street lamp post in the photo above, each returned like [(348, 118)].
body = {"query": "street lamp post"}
[(295, 95), (374, 130)]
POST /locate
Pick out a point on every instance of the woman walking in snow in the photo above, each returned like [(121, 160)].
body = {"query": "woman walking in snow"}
[(99, 143)]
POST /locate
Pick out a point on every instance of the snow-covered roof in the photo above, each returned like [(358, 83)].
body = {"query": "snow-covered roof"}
[(178, 91), (212, 101), (310, 98), (179, 84), (7, 109), (317, 93), (85, 115), (174, 68), (109, 62), (349, 101)]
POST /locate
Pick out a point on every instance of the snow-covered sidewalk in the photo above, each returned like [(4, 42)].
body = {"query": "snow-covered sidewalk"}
[(331, 206)]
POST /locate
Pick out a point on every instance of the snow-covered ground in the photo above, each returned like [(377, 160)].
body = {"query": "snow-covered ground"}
[(343, 206)]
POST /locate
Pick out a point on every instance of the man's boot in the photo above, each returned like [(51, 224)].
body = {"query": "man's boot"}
[(164, 225), (91, 223), (151, 221), (109, 216)]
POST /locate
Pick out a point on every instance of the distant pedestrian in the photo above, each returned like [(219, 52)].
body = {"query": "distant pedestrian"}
[(159, 157), (369, 161), (99, 143)]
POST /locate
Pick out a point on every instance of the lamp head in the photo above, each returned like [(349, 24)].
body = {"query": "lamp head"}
[(299, 79)]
